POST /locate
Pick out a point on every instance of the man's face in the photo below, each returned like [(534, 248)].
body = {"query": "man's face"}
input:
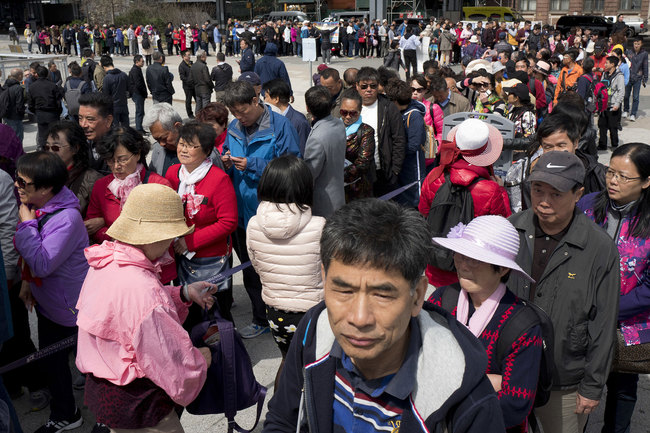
[(368, 89), (609, 66), (243, 44), (553, 208), (503, 58), (247, 114), (521, 66), (558, 141), (567, 60), (140, 63), (440, 95), (167, 139), (638, 45), (332, 85), (94, 125), (369, 311)]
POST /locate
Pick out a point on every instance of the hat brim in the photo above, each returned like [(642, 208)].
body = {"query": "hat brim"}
[(560, 183), (492, 151), (134, 232), (476, 252), (541, 71)]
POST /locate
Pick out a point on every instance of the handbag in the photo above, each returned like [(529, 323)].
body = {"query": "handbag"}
[(203, 269), (631, 359), (230, 384)]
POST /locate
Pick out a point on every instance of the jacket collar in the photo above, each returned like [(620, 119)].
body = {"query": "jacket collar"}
[(577, 235)]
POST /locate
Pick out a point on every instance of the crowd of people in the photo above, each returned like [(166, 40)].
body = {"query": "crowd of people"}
[(348, 212)]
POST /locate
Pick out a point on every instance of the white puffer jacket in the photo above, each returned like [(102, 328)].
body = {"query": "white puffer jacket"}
[(284, 246)]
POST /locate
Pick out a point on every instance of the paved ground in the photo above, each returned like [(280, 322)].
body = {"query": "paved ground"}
[(263, 351)]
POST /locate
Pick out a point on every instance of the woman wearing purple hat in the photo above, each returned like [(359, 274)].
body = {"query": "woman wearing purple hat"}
[(484, 256)]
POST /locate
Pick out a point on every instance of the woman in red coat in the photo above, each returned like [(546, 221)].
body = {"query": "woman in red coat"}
[(211, 206), (125, 152), (467, 158)]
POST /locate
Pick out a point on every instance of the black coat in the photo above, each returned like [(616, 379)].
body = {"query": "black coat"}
[(16, 108), (185, 74), (136, 82), (44, 99), (201, 76), (159, 81), (116, 85), (222, 76)]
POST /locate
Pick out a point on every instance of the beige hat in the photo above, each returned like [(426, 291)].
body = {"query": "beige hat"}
[(152, 213)]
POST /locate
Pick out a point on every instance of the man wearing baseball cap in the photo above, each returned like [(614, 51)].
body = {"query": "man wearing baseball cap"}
[(575, 266)]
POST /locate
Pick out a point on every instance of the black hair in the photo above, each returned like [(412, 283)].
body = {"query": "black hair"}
[(558, 123), (330, 73), (504, 279), (45, 169), (278, 88), (587, 65), (422, 81), (87, 53), (137, 58), (352, 95), (202, 132), (76, 138), (34, 65), (398, 91), (379, 234), (128, 137), (287, 179), (367, 73), (42, 71), (573, 53), (239, 92), (102, 102), (611, 59), (438, 83), (221, 57), (639, 154), (106, 61), (385, 75), (75, 69), (319, 101), (429, 64)]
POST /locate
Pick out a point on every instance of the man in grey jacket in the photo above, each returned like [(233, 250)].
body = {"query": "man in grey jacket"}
[(576, 268), (611, 118), (203, 85), (325, 153)]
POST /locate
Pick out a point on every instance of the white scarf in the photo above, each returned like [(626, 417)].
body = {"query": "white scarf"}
[(122, 188), (187, 182)]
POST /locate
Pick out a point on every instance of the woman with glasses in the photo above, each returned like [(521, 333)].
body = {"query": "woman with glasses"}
[(359, 173), (51, 238), (433, 117), (125, 151), (67, 140), (623, 210), (211, 206)]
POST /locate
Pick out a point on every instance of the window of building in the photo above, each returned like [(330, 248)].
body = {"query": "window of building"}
[(631, 5), (594, 5), (560, 5), (529, 5)]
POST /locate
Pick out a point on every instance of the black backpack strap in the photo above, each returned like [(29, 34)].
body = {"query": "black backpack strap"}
[(46, 218), (520, 322), (147, 173)]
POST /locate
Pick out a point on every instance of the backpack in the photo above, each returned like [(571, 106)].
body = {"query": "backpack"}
[(452, 204), (4, 102), (230, 385), (597, 96), (72, 97), (601, 94), (518, 324), (145, 41)]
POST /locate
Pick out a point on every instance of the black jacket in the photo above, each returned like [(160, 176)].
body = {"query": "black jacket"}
[(222, 76), (116, 85), (159, 81), (185, 74), (16, 108), (88, 70), (247, 62), (136, 82), (392, 139), (44, 99), (201, 77)]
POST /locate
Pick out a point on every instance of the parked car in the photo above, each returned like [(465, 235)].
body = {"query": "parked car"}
[(596, 23), (635, 24)]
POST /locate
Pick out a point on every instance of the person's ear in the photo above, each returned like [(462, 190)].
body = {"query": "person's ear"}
[(109, 120), (418, 298)]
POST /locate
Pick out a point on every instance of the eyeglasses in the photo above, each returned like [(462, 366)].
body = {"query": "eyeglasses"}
[(187, 145), (365, 86), (55, 147), (482, 85), (351, 113), (22, 184), (418, 89), (619, 177), (120, 161)]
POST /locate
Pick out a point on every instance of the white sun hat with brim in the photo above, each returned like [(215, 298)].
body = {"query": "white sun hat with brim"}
[(480, 143), (490, 239)]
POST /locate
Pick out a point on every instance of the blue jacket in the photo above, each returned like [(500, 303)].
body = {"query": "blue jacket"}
[(300, 122), (270, 141), (452, 389), (413, 167), (270, 67), (247, 62)]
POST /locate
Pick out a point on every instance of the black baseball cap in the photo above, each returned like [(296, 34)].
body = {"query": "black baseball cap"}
[(561, 170)]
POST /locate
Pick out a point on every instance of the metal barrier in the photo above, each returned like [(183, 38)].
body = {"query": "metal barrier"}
[(9, 61)]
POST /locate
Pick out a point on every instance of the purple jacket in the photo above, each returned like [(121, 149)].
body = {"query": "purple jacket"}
[(634, 307), (56, 256)]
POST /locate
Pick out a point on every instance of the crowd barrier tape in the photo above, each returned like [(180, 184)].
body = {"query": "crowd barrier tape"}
[(72, 340)]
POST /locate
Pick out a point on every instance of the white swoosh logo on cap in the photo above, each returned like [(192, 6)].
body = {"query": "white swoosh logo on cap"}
[(549, 165)]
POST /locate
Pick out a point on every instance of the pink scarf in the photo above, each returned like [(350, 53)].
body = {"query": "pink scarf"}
[(122, 188), (483, 314)]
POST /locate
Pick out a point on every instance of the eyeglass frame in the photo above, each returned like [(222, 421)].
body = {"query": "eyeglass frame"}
[(619, 177), (47, 147), (113, 162), (418, 89), (348, 112)]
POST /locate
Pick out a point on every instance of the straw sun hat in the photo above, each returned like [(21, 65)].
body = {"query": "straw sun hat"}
[(152, 213)]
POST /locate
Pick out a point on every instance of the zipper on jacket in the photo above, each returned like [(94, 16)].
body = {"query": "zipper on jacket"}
[(306, 392)]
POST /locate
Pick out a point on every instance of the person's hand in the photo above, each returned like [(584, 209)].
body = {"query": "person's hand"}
[(201, 293), (240, 162), (25, 213), (207, 354), (227, 161), (585, 405), (93, 225), (26, 296), (615, 108), (483, 96), (180, 246), (495, 380), (498, 179)]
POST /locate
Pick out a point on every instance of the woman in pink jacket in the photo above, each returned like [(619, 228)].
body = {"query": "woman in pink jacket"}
[(139, 360)]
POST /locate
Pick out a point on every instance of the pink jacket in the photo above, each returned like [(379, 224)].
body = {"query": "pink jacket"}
[(438, 115), (130, 325)]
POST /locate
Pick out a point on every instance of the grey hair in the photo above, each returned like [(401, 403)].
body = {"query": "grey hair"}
[(200, 53), (163, 113)]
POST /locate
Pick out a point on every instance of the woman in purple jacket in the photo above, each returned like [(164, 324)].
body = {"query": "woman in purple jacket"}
[(51, 238), (623, 209)]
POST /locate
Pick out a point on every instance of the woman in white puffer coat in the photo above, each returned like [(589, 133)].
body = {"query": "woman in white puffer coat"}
[(283, 241)]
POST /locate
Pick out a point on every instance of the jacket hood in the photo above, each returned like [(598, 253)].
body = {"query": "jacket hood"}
[(416, 105), (100, 256), (280, 220), (114, 71), (271, 49), (65, 199), (11, 82)]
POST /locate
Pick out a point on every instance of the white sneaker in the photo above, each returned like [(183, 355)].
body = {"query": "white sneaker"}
[(632, 118), (624, 114)]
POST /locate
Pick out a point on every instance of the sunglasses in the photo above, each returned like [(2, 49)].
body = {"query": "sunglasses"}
[(54, 147), (351, 113), (22, 184), (365, 86), (418, 89)]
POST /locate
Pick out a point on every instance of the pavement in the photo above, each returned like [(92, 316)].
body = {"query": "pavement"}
[(263, 351)]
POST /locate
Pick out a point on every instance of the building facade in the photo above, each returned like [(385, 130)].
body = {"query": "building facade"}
[(548, 11)]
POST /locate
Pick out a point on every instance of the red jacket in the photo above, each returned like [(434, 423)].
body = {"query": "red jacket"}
[(216, 220), (489, 199), (103, 204)]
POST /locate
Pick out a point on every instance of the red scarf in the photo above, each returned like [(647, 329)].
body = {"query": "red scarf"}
[(449, 153)]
